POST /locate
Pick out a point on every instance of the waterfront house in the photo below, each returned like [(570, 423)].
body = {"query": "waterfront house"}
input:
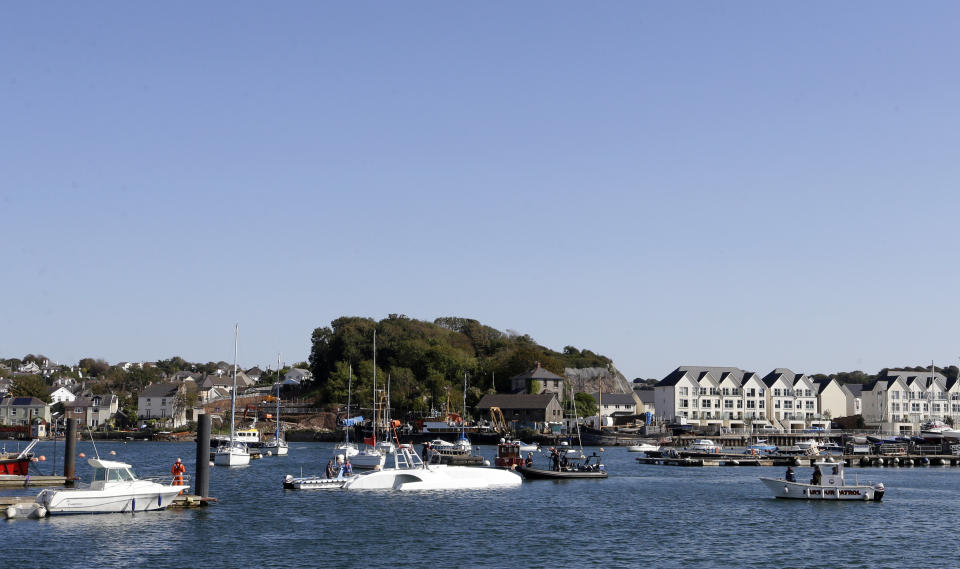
[(854, 399), (92, 411), (524, 410), (646, 396), (792, 400), (22, 410), (900, 401), (832, 398), (537, 380), (616, 404), (164, 401), (29, 368)]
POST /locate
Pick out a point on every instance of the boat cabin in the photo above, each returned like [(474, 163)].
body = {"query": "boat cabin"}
[(831, 473), (509, 455), (108, 471)]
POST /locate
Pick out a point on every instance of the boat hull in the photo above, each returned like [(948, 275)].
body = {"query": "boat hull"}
[(800, 491), (142, 498), (541, 474), (231, 458), (435, 477), (315, 483), (368, 461), (15, 466)]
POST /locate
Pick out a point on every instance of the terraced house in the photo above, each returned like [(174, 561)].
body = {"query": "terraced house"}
[(900, 401)]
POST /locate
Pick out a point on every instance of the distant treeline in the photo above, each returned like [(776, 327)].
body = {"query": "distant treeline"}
[(862, 377)]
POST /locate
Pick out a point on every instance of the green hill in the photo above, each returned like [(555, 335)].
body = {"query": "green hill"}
[(426, 361)]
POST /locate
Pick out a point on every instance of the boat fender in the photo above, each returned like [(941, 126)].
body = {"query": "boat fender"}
[(40, 512), (11, 512), (133, 505), (786, 489)]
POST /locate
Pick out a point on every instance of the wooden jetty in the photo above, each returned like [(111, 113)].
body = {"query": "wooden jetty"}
[(14, 481)]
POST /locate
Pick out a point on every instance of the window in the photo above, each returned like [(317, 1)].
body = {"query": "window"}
[(163, 402), (776, 404), (895, 395), (762, 404), (751, 392), (703, 391), (728, 404), (683, 404), (776, 392), (751, 404), (787, 404), (807, 393), (78, 410), (739, 403), (760, 392), (809, 405), (684, 391), (726, 391)]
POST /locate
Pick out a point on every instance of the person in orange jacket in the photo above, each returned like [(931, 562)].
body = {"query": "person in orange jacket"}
[(177, 470)]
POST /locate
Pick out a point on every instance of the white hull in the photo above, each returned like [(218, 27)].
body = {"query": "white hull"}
[(435, 477), (801, 491), (231, 457), (643, 448), (346, 450), (315, 482), (275, 449), (143, 496), (368, 460)]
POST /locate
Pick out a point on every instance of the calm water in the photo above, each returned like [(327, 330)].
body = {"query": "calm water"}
[(641, 515)]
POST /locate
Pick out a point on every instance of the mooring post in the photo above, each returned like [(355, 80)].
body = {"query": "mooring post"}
[(202, 480), (70, 453)]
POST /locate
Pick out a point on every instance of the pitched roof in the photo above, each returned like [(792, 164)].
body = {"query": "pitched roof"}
[(516, 401), (160, 390), (717, 373), (615, 398), (537, 373), (647, 396), (20, 401), (855, 388)]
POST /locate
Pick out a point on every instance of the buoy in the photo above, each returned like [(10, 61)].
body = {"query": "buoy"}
[(34, 459), (113, 452), (81, 455), (269, 453), (211, 463), (42, 458), (486, 462)]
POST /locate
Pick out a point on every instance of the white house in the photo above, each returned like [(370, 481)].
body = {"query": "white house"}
[(854, 399), (900, 401), (61, 395), (296, 375), (832, 398), (616, 404)]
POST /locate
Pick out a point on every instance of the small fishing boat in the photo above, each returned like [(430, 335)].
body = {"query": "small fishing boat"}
[(115, 488), (568, 463), (17, 463), (832, 485)]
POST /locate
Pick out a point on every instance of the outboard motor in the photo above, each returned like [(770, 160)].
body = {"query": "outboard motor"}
[(878, 490)]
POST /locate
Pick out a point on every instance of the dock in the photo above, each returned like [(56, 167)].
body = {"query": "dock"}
[(730, 459), (15, 481)]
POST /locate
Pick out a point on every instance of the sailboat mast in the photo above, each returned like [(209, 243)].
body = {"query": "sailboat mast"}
[(349, 392), (277, 433), (374, 434), (233, 394), (463, 419)]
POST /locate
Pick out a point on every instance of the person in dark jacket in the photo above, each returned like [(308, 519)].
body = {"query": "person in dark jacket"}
[(791, 477)]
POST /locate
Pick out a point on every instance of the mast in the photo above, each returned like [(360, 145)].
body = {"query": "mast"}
[(600, 404), (463, 419), (276, 434), (374, 434), (349, 392), (233, 394)]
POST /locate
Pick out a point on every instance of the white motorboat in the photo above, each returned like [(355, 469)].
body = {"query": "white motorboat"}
[(832, 486), (809, 446), (235, 453), (643, 447), (410, 473), (114, 488), (528, 447), (705, 445), (938, 430)]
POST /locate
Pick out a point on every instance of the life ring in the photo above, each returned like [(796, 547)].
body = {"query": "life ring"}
[(830, 480)]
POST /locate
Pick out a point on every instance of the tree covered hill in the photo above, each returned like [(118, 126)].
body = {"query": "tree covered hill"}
[(426, 361)]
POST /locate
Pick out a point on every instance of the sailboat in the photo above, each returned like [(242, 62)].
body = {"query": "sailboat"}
[(235, 453), (278, 446), (346, 449), (370, 458)]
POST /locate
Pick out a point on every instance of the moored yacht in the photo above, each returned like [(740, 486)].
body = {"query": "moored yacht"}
[(410, 473)]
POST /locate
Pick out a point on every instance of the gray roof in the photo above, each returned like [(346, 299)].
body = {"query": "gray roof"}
[(615, 398), (537, 373), (855, 388), (718, 373), (516, 401), (21, 402), (160, 390), (647, 396)]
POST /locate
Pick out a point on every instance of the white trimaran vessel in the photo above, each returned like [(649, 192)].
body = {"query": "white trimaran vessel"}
[(235, 453)]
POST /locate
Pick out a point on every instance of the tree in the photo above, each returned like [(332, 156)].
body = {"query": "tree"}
[(586, 404), (95, 367), (29, 386)]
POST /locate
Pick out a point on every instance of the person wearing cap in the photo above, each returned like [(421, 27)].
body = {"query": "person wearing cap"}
[(177, 470)]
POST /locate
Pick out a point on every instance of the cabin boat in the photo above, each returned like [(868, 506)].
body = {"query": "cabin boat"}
[(705, 445), (115, 488), (643, 447), (832, 486), (509, 455)]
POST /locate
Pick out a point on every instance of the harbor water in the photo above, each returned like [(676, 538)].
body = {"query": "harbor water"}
[(642, 515)]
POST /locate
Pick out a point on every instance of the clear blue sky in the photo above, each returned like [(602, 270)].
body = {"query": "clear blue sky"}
[(717, 183)]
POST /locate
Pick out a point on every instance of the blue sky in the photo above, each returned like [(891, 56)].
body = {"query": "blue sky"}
[(715, 183)]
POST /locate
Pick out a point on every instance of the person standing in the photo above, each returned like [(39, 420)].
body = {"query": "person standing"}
[(177, 470)]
